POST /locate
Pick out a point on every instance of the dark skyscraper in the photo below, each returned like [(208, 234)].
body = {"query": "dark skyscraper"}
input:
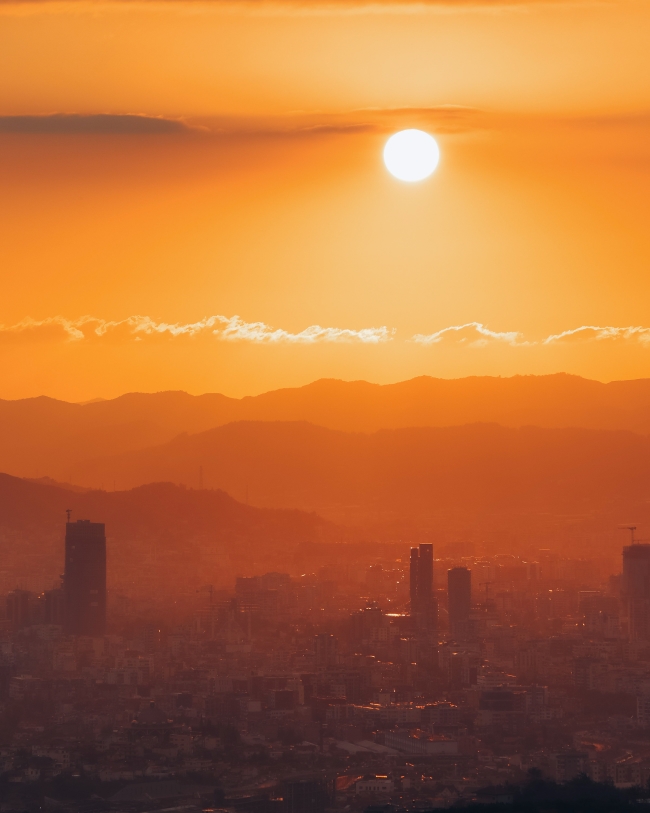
[(425, 576), (413, 578), (85, 578), (635, 590), (423, 600), (459, 594)]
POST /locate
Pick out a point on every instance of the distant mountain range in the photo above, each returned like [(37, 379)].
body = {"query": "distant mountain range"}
[(161, 537), (44, 437), (556, 484)]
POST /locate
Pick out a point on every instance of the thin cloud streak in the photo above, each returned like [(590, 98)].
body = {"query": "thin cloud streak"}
[(98, 123), (473, 334), (141, 328), (442, 119), (591, 333)]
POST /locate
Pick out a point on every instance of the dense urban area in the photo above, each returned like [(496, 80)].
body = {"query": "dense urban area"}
[(394, 683)]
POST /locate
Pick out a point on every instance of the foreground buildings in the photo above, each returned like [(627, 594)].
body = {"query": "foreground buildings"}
[(415, 682)]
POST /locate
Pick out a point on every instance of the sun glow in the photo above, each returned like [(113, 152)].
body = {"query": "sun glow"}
[(411, 155)]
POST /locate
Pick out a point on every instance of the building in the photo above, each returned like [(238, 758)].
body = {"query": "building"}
[(413, 578), (53, 610), (635, 590), (375, 784), (459, 595), (424, 604), (326, 649), (84, 582), (19, 608), (307, 794)]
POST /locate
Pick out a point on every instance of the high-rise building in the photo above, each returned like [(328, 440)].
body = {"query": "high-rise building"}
[(423, 601), (326, 649), (19, 608), (635, 590), (84, 582), (425, 576), (459, 596), (413, 578)]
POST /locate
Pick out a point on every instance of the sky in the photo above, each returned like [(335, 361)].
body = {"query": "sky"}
[(192, 194)]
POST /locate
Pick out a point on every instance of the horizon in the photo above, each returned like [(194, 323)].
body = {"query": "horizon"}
[(99, 398)]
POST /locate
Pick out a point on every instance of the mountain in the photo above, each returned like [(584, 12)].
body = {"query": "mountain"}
[(462, 479), (162, 539), (44, 437)]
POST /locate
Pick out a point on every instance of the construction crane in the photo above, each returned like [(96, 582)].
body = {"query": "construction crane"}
[(631, 529), (633, 539)]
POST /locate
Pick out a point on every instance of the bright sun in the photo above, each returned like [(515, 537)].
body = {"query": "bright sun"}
[(411, 155)]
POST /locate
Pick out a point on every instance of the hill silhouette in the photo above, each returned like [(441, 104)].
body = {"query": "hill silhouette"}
[(466, 477), (161, 537), (44, 437)]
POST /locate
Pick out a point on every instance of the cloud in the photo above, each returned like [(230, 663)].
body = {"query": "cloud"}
[(441, 119), (100, 123), (142, 328), (234, 329), (472, 334), (591, 333)]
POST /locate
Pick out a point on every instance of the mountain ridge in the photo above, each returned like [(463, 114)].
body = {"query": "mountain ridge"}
[(45, 437)]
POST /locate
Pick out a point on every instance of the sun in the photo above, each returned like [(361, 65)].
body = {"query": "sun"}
[(411, 155)]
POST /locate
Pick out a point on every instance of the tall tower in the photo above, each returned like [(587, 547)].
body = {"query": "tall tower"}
[(459, 596), (414, 578), (425, 576), (424, 605), (84, 582), (635, 590)]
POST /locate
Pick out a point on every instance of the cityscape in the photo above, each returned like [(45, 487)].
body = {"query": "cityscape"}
[(324, 406), (410, 682)]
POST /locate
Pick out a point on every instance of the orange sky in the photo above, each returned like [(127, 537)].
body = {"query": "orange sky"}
[(269, 200)]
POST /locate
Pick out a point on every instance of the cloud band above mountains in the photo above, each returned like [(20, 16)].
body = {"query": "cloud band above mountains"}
[(235, 329), (140, 328), (472, 333)]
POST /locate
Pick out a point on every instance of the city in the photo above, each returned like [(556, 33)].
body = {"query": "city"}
[(413, 683), (324, 406)]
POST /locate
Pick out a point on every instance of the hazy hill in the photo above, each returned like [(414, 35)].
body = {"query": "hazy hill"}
[(447, 478), (44, 437), (160, 536)]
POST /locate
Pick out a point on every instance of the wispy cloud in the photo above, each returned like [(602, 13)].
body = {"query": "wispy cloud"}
[(235, 329), (591, 333), (73, 123), (473, 334), (221, 328), (442, 119)]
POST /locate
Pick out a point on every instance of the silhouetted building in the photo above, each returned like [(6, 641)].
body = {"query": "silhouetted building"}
[(635, 590), (54, 607), (424, 604), (413, 578), (84, 582), (309, 794), (425, 576), (19, 608), (459, 596), (326, 648)]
